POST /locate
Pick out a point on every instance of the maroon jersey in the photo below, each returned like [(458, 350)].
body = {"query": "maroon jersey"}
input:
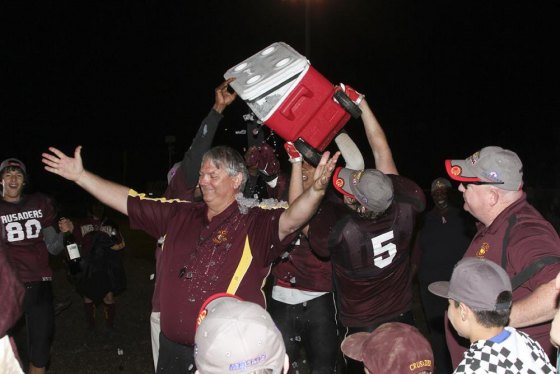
[(232, 253), (87, 226), (300, 268), (530, 237), (371, 258), (22, 236)]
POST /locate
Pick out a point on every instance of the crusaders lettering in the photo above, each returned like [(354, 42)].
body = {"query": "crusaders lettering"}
[(21, 216)]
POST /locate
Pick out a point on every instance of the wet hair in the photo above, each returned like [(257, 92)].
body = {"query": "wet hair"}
[(494, 318), (228, 158)]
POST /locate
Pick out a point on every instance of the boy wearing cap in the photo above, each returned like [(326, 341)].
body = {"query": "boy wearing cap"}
[(513, 234), (236, 336), (393, 347), (28, 236), (368, 235), (480, 300)]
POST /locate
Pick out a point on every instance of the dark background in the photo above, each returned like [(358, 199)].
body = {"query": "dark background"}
[(445, 78)]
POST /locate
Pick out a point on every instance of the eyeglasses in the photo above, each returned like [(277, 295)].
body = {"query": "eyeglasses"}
[(480, 183)]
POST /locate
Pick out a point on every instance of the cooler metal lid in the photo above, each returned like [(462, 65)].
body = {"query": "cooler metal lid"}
[(263, 71)]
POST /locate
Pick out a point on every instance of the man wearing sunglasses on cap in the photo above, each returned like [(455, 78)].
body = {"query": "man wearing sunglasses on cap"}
[(512, 233)]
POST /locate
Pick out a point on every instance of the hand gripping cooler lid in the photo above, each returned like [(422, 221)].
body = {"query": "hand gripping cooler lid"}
[(273, 66)]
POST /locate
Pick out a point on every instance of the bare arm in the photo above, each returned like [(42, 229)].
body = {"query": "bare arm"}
[(555, 328), (378, 141), (296, 182), (538, 307), (305, 206), (109, 193)]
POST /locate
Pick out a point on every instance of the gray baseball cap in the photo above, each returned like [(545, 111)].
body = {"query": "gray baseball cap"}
[(492, 164), (476, 282), (13, 162), (369, 187)]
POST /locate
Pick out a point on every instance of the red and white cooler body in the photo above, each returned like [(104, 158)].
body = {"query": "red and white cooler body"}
[(289, 96)]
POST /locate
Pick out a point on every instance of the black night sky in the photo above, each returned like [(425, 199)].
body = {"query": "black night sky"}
[(445, 78)]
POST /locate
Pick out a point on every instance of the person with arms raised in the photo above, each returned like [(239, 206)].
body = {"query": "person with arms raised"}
[(217, 245)]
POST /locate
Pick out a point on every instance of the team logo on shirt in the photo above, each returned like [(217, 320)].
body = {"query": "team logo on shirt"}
[(484, 248), (221, 237)]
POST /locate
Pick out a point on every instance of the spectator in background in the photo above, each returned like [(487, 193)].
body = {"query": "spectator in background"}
[(11, 294), (217, 245), (393, 347), (263, 166), (511, 233), (28, 236), (480, 301), (102, 274), (235, 336), (444, 235), (182, 180)]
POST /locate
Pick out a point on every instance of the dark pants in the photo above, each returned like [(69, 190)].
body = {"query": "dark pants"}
[(313, 325), (174, 357), (39, 319), (353, 366)]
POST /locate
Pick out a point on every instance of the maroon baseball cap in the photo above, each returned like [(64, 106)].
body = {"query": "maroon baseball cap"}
[(393, 347), (12, 162)]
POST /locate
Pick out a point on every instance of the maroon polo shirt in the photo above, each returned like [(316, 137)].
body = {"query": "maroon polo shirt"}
[(531, 237), (200, 258)]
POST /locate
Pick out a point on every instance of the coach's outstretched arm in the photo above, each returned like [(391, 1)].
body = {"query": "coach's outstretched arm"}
[(109, 193)]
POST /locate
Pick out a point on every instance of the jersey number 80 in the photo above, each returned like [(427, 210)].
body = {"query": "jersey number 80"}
[(17, 232)]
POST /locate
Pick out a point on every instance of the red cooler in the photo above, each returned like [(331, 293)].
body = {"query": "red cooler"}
[(292, 98)]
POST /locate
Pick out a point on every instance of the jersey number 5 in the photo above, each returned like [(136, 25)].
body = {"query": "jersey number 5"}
[(383, 254)]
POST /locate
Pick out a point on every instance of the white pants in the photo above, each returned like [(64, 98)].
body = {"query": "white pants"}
[(155, 329)]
